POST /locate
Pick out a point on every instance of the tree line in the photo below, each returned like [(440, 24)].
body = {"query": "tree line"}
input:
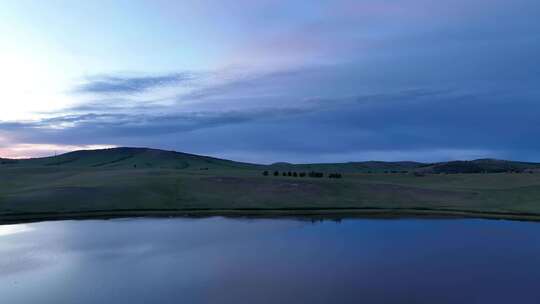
[(312, 174)]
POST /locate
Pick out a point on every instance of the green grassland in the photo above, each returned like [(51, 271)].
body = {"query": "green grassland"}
[(129, 181)]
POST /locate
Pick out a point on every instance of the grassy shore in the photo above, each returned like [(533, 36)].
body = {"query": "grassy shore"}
[(43, 193), (306, 214)]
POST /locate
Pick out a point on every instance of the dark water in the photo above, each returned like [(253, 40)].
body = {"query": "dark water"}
[(219, 260)]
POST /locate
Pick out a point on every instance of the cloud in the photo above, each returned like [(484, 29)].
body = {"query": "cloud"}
[(316, 113), (145, 120), (85, 128), (108, 84), (427, 124)]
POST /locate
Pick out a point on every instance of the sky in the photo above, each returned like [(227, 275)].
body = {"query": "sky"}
[(266, 81)]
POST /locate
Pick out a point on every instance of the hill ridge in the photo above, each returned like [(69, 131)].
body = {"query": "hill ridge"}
[(144, 157)]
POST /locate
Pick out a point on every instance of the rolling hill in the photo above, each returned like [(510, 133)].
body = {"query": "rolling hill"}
[(141, 181), (479, 166), (123, 158)]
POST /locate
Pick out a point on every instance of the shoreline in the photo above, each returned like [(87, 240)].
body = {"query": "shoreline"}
[(306, 213)]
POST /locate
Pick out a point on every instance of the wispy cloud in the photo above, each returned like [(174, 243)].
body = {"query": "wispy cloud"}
[(108, 84), (82, 128), (413, 123)]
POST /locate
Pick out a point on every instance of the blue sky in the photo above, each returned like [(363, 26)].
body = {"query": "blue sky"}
[(266, 81)]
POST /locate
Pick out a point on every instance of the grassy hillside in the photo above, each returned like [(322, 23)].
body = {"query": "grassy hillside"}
[(126, 158), (136, 179), (121, 158), (352, 167), (479, 166)]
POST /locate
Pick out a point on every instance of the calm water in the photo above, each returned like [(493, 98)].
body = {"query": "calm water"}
[(219, 260)]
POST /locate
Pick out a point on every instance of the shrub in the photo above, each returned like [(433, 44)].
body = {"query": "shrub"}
[(265, 173), (316, 174)]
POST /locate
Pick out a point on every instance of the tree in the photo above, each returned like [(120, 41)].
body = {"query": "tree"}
[(295, 174), (302, 174), (265, 173), (276, 173), (334, 175), (316, 174), (289, 173)]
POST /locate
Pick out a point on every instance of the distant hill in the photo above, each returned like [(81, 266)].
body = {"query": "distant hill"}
[(479, 166), (122, 158), (353, 167), (130, 158), (6, 161)]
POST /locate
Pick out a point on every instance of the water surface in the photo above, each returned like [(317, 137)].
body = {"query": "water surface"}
[(218, 260)]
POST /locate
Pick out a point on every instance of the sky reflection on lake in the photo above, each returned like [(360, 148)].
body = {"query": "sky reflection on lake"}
[(218, 260)]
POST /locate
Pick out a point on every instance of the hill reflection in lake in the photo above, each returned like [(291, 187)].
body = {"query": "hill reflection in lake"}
[(219, 260)]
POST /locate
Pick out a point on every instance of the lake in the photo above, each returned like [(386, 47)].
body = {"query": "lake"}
[(221, 260)]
